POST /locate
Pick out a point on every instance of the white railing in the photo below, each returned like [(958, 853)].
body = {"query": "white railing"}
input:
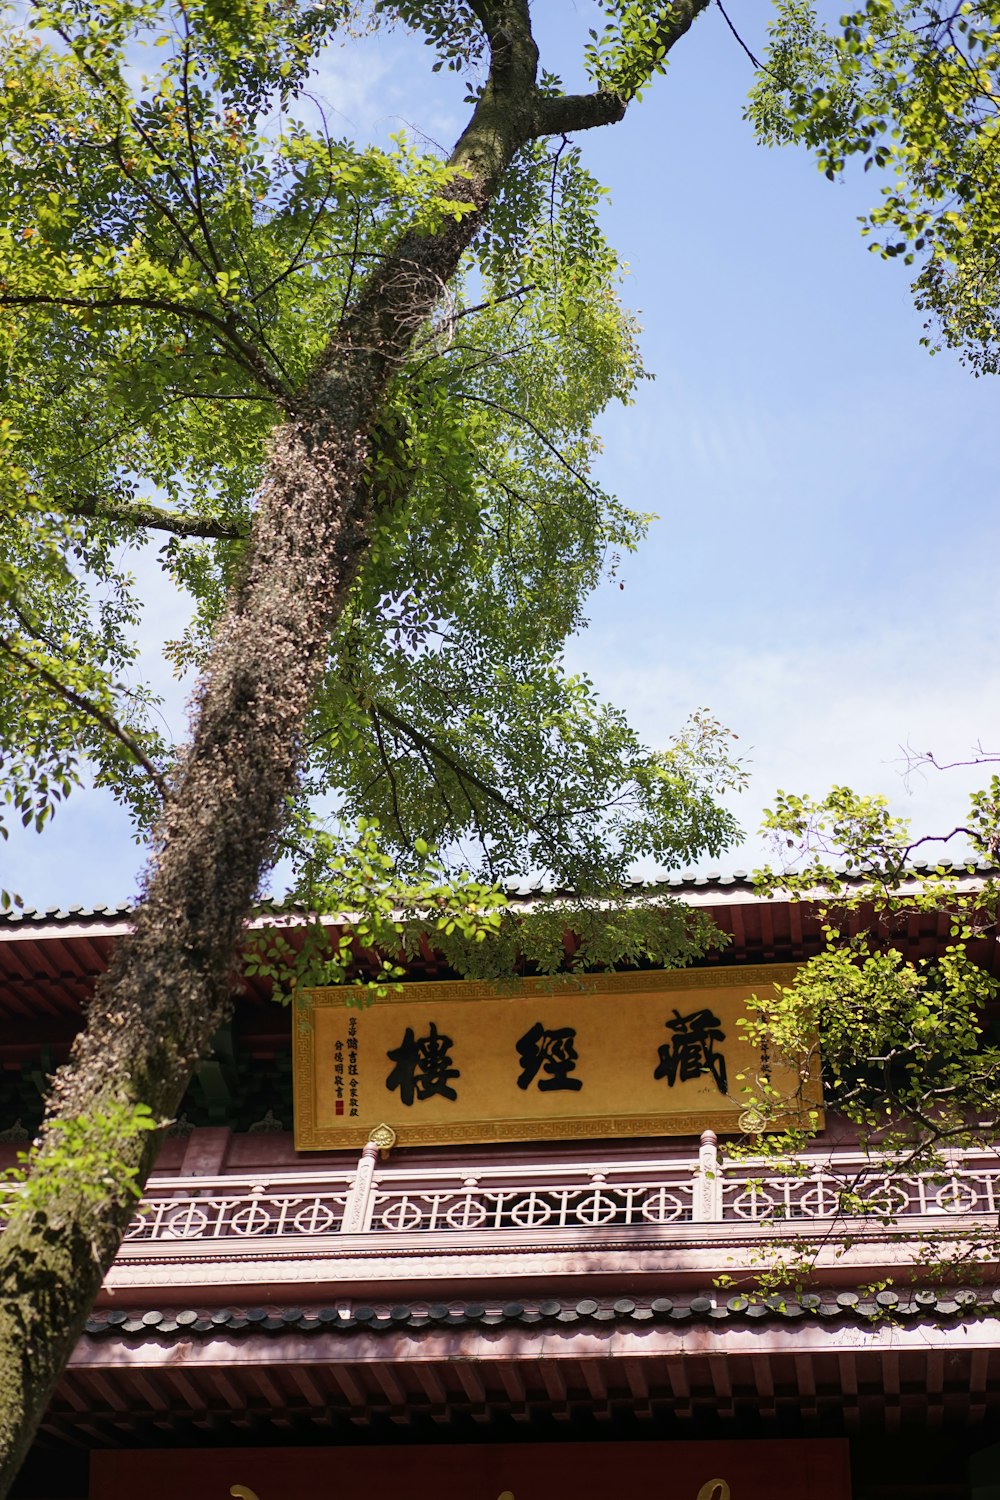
[(855, 1186), (574, 1201), (599, 1200), (239, 1209)]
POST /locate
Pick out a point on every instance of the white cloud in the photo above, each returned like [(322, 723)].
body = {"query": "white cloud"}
[(811, 715), (371, 88)]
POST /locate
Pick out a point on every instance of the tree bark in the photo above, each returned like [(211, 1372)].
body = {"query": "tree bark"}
[(169, 986)]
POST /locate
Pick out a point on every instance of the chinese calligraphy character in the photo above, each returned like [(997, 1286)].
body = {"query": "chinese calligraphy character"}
[(352, 1065), (423, 1067), (554, 1053), (691, 1050), (338, 1077)]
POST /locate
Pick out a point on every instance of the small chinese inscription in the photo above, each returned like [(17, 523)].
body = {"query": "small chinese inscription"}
[(691, 1053), (338, 1077), (423, 1066), (553, 1053), (352, 1066)]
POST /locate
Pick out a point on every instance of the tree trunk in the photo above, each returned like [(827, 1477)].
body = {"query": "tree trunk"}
[(169, 986)]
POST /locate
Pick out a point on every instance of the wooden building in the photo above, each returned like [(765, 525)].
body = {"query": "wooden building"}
[(535, 1318)]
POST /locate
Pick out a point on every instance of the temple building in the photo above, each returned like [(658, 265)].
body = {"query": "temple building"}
[(490, 1244)]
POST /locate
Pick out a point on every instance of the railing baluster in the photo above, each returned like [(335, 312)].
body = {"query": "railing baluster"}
[(707, 1191), (358, 1211)]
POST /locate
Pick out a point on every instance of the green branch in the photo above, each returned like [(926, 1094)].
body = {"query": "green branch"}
[(464, 774), (556, 115), (151, 517), (84, 705), (249, 357)]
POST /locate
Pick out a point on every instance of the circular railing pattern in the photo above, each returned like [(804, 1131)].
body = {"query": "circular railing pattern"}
[(400, 1204), (662, 1207), (253, 1215)]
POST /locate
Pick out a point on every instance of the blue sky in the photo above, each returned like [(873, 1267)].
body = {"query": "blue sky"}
[(822, 575)]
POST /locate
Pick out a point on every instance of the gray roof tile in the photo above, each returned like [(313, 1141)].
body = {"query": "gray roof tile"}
[(155, 1323)]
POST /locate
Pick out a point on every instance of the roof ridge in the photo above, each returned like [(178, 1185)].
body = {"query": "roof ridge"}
[(519, 889)]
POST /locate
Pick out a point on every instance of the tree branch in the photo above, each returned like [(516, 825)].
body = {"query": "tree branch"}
[(521, 291), (755, 60), (562, 116), (249, 357), (151, 517), (491, 793), (518, 416), (76, 700), (198, 205), (916, 758), (389, 773)]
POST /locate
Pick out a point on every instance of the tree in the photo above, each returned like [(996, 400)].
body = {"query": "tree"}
[(908, 1048), (318, 372), (909, 87)]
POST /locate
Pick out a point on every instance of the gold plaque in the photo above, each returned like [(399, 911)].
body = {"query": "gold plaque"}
[(608, 1055)]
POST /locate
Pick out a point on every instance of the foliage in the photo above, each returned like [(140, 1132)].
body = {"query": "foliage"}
[(179, 231), (357, 917), (907, 1052), (911, 88), (904, 1049), (90, 1150), (900, 1045), (623, 56), (376, 908), (356, 390)]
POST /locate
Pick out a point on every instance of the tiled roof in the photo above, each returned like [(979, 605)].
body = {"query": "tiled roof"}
[(518, 889), (251, 1372), (50, 960), (53, 916), (925, 1305)]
